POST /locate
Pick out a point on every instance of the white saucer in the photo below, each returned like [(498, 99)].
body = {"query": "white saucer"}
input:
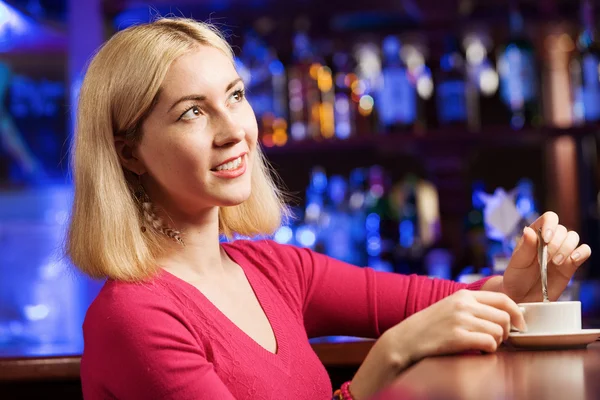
[(554, 340)]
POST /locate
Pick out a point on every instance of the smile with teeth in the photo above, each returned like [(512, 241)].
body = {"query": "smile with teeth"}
[(231, 165)]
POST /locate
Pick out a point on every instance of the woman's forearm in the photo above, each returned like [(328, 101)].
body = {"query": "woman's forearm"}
[(381, 366), (494, 284)]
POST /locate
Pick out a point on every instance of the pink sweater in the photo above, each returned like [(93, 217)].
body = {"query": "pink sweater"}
[(164, 340)]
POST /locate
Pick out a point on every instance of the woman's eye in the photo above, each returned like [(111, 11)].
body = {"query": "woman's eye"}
[(238, 95), (191, 113)]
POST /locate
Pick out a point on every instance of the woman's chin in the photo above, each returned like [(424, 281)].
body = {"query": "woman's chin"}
[(232, 201)]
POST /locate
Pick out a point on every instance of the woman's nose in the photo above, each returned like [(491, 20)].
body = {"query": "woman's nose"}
[(228, 130)]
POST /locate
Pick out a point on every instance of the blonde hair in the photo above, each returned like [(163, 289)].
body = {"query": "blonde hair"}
[(120, 88)]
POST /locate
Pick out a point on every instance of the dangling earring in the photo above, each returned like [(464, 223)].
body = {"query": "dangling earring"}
[(150, 217)]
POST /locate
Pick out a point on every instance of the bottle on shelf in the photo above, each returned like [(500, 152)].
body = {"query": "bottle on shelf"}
[(303, 88), (476, 243), (359, 230), (381, 232), (585, 69), (345, 108), (413, 56), (396, 94), (451, 91), (337, 222), (404, 203), (518, 79), (265, 79), (368, 71), (485, 105), (308, 232), (420, 73)]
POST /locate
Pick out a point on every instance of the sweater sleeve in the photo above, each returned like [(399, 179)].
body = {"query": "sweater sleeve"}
[(136, 348), (342, 299)]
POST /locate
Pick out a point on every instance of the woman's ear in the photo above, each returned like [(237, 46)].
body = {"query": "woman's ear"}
[(128, 157)]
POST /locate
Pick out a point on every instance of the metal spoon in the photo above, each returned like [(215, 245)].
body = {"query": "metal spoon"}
[(543, 261)]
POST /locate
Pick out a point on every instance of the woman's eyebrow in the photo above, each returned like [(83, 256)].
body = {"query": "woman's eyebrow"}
[(199, 97)]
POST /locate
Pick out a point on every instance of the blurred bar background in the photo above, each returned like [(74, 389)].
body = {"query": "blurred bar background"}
[(416, 136)]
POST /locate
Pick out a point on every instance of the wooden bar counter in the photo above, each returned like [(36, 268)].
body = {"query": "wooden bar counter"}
[(508, 374)]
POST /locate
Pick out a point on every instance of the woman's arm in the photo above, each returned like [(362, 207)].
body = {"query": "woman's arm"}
[(342, 299), (494, 284)]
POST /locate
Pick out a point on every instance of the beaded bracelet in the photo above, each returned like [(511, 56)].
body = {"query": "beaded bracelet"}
[(343, 393)]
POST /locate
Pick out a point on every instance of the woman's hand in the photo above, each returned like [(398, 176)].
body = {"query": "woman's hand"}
[(466, 320), (522, 281)]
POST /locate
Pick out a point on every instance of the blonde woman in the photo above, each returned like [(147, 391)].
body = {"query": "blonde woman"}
[(166, 160)]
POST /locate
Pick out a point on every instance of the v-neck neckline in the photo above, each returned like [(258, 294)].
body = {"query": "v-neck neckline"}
[(263, 298)]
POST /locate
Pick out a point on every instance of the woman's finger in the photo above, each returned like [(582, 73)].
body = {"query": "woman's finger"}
[(494, 315), (566, 248), (505, 303), (526, 252), (575, 259), (560, 234), (581, 254), (487, 327), (548, 222), (478, 341)]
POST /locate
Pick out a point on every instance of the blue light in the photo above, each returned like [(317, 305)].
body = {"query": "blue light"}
[(283, 235), (43, 300), (357, 176), (391, 47), (452, 101), (13, 25), (395, 108), (524, 205), (374, 246), (3, 12), (313, 211), (10, 18), (476, 200), (319, 181), (585, 40), (425, 71), (372, 222), (512, 48), (467, 270), (337, 189), (407, 233), (302, 46), (276, 67), (133, 16), (37, 312), (343, 130), (446, 62), (589, 296), (32, 98), (380, 265), (306, 236)]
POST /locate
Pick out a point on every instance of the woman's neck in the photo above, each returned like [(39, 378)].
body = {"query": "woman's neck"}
[(202, 255)]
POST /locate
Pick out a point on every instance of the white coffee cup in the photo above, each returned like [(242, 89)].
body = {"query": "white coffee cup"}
[(552, 317)]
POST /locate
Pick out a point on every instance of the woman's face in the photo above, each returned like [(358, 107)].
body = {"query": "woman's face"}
[(199, 141)]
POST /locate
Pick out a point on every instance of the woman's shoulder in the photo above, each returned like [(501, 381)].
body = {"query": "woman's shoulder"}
[(126, 303), (132, 324), (114, 292)]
